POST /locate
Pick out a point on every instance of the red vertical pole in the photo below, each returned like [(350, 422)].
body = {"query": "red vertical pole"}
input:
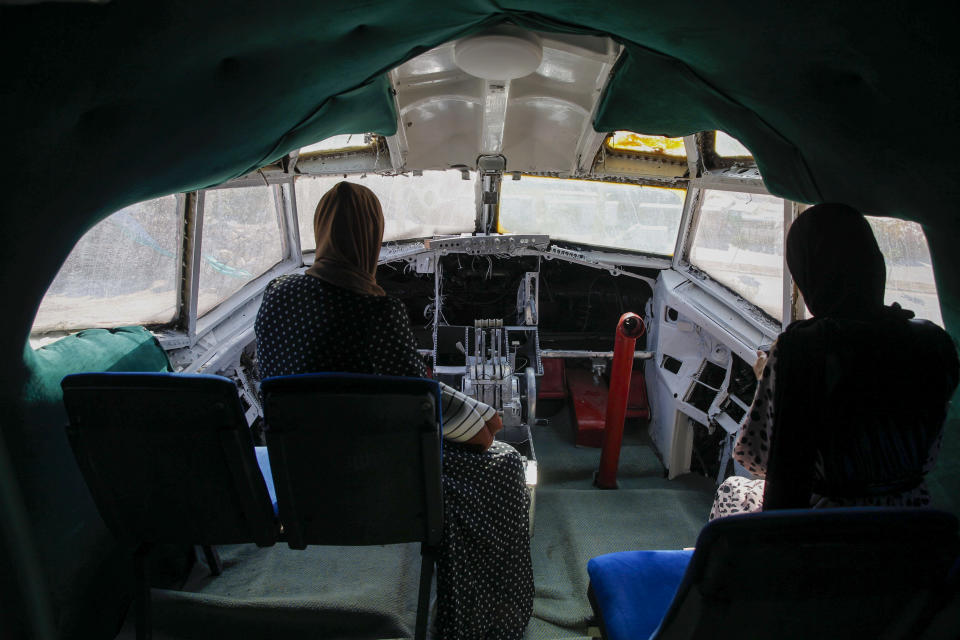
[(629, 329)]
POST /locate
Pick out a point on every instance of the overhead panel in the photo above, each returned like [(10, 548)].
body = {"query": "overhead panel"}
[(541, 122)]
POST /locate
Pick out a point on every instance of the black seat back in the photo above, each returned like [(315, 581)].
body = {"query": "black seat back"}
[(356, 458), (837, 573), (854, 421), (169, 458)]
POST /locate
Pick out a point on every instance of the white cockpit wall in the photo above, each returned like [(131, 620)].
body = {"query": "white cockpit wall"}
[(692, 326)]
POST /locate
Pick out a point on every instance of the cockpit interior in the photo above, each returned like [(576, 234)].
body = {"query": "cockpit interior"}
[(543, 169)]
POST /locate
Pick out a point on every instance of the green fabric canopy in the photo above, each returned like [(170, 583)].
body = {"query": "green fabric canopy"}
[(104, 105)]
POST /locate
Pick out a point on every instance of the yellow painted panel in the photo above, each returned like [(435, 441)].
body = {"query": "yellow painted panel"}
[(646, 144)]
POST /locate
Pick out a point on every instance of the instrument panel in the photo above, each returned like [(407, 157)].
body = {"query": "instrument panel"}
[(484, 244)]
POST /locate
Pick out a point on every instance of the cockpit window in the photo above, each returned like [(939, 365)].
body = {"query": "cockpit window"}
[(241, 240), (435, 203), (739, 243), (646, 144), (608, 214), (123, 271), (726, 146), (348, 142), (909, 268)]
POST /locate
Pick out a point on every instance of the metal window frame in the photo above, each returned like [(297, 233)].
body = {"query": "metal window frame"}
[(793, 306), (190, 281), (292, 257), (700, 182), (293, 218)]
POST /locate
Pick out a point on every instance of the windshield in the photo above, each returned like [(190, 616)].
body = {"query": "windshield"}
[(436, 203), (607, 214), (739, 242), (241, 240), (909, 268)]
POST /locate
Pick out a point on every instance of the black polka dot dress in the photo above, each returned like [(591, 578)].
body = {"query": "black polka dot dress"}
[(484, 575)]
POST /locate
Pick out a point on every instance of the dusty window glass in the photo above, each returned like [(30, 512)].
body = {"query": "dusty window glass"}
[(607, 214), (436, 203), (909, 269), (727, 146), (647, 144), (739, 243), (123, 271), (241, 240)]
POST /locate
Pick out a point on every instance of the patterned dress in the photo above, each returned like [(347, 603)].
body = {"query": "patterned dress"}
[(484, 575)]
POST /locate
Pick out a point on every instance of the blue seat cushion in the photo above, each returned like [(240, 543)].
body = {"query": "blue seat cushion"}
[(263, 460), (634, 589)]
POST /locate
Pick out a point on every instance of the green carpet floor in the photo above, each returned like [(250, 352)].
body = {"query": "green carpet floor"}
[(575, 521), (370, 592)]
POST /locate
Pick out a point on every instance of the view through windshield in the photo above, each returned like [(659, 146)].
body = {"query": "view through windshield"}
[(436, 203), (607, 214)]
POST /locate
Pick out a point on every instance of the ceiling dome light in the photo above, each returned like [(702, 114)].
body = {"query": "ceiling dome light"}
[(505, 52)]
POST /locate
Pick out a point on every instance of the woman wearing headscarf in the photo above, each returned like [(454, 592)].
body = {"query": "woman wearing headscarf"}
[(335, 317), (850, 405)]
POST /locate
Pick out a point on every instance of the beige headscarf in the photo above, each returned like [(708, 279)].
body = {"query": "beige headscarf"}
[(348, 226)]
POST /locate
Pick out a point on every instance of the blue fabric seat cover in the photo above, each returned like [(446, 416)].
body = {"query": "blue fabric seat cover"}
[(634, 589)]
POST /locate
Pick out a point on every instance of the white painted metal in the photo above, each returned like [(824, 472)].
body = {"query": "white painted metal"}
[(569, 255), (579, 353), (790, 212), (281, 204), (728, 181), (250, 291), (504, 52), (688, 224), (745, 309), (704, 329), (183, 201), (547, 121), (293, 219), (496, 94), (194, 231), (694, 165), (591, 139), (681, 257), (291, 261)]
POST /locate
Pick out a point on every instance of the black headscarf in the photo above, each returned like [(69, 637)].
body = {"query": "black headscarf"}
[(837, 265)]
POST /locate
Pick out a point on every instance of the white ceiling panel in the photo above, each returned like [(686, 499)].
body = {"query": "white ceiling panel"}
[(540, 122)]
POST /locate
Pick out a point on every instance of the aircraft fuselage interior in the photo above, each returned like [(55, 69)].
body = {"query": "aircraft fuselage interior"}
[(530, 201)]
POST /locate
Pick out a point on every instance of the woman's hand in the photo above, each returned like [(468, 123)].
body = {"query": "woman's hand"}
[(760, 364), (484, 438), (494, 424)]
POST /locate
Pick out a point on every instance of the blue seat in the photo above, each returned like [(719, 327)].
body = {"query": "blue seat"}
[(831, 573), (169, 458), (357, 461)]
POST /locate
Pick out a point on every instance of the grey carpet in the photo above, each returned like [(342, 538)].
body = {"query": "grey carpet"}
[(575, 521), (320, 592), (370, 592)]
